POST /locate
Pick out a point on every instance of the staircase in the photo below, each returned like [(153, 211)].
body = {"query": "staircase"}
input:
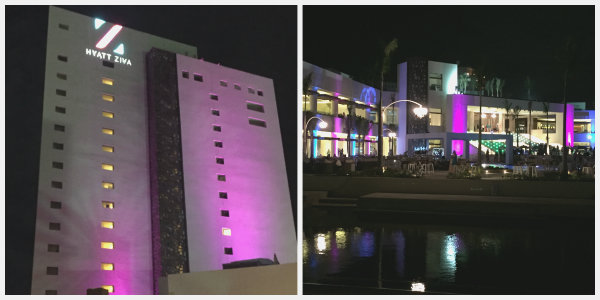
[(524, 139), (491, 145)]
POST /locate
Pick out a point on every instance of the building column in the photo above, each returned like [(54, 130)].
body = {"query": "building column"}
[(448, 148), (509, 147), (313, 103), (466, 149)]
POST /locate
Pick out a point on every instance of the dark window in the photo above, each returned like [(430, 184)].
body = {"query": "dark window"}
[(214, 97), (61, 92), (215, 112), (223, 83), (54, 226), (218, 144), (58, 146), (60, 128), (237, 87), (185, 74), (108, 64), (256, 122), (223, 195), (63, 26), (53, 248), (221, 177), (217, 128), (198, 77), (60, 109), (57, 165), (224, 213), (61, 76), (260, 93), (62, 58), (55, 204), (251, 90), (229, 251), (220, 160), (52, 271), (255, 107), (51, 292), (108, 204), (57, 184)]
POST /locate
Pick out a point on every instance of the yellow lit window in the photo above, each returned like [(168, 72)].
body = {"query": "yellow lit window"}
[(108, 167), (108, 267), (108, 114), (107, 245), (108, 224), (107, 81), (108, 131), (108, 185), (108, 148), (108, 204), (110, 288), (226, 231), (107, 97)]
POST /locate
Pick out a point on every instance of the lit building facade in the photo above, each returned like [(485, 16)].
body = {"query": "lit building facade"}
[(152, 162), (451, 124)]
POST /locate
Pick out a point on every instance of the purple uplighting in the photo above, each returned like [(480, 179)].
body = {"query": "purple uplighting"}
[(569, 129)]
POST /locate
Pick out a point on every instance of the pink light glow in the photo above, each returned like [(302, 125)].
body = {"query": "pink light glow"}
[(109, 36), (459, 115), (457, 145), (569, 129)]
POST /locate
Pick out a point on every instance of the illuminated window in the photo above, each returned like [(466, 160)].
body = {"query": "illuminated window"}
[(198, 77), (57, 165), (435, 117), (108, 204), (62, 58), (60, 128), (257, 122), (185, 74), (215, 112), (107, 81), (58, 146), (108, 167), (51, 292), (60, 109), (220, 161), (220, 177), (53, 248), (108, 185), (109, 288), (223, 83), (255, 106), (107, 245), (54, 226), (61, 76), (108, 131), (107, 224), (229, 251), (55, 204), (61, 92), (216, 128), (223, 195), (63, 26), (218, 144), (108, 267), (237, 87), (226, 231), (251, 90), (224, 213), (214, 97), (51, 270), (108, 148), (56, 184), (108, 64), (108, 114), (107, 97), (260, 93)]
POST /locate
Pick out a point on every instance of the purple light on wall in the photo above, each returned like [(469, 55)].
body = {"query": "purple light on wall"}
[(457, 145), (459, 114), (569, 129)]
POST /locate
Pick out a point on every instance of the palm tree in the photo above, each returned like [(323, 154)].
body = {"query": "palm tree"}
[(363, 125), (387, 51), (306, 83), (350, 123), (547, 111), (516, 111), (507, 107), (566, 58), (529, 108)]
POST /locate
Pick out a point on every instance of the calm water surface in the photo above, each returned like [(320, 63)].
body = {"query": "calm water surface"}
[(548, 258)]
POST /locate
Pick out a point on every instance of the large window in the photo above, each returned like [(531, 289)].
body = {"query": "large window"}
[(546, 124), (582, 127), (435, 117), (435, 82), (324, 106)]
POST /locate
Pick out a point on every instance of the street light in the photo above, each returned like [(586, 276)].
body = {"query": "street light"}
[(391, 135), (420, 112), (321, 125)]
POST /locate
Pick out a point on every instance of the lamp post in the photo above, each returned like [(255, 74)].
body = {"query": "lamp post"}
[(420, 112), (322, 125), (391, 135)]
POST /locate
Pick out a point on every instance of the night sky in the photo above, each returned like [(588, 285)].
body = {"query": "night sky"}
[(256, 39), (509, 42)]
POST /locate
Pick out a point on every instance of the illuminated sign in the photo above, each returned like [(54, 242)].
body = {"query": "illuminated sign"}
[(107, 38)]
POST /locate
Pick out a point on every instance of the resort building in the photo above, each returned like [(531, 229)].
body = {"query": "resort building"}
[(152, 163), (451, 124)]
